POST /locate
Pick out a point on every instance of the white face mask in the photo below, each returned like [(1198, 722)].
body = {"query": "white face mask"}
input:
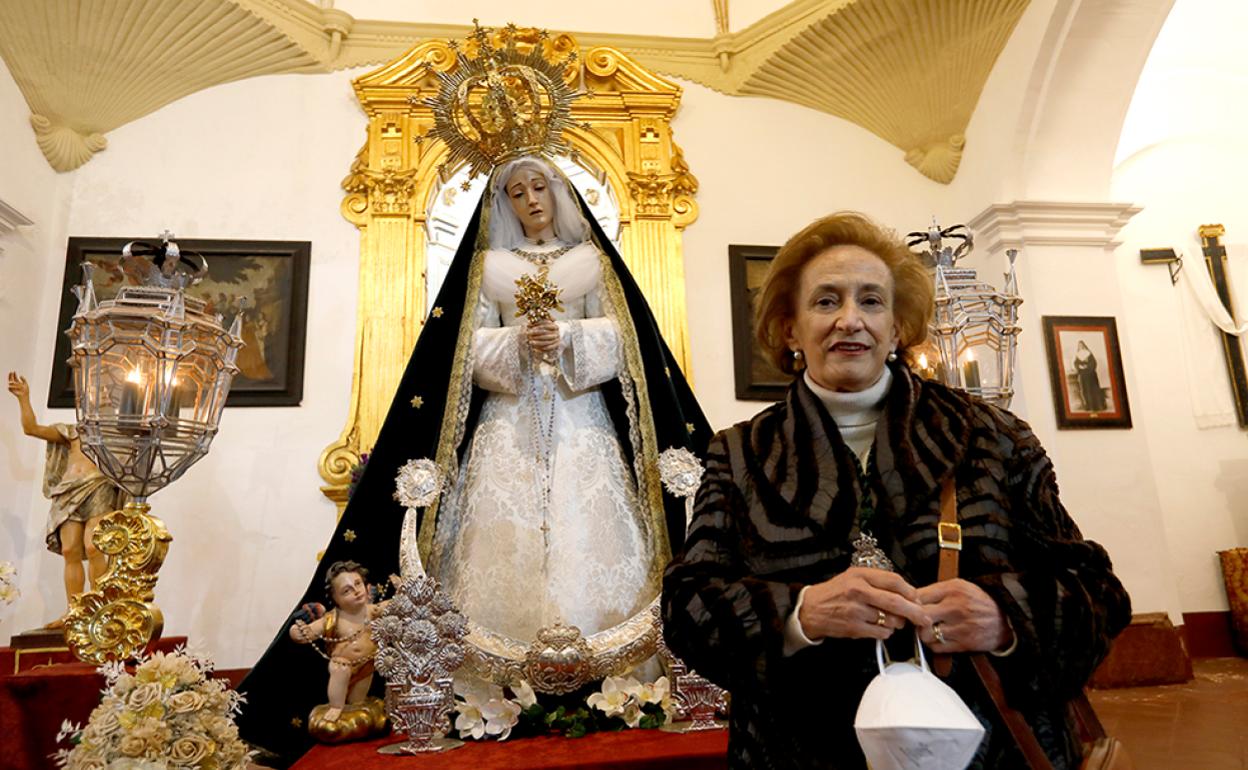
[(910, 720)]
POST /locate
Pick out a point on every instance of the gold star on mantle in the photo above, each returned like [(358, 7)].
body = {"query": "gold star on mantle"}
[(296, 723), (417, 401), (689, 427), (437, 312), (349, 535)]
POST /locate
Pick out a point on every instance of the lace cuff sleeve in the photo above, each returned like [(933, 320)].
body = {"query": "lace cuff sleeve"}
[(590, 352), (496, 352)]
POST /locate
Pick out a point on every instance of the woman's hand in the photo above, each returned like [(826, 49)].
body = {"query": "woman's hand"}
[(964, 618), (543, 339), (861, 603)]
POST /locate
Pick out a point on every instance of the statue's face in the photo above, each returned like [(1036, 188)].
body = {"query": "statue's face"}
[(348, 591), (532, 201)]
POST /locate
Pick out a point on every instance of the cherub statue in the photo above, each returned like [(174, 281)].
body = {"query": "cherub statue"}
[(80, 496), (349, 647)]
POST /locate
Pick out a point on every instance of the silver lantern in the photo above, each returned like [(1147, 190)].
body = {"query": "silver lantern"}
[(974, 329), (152, 369)]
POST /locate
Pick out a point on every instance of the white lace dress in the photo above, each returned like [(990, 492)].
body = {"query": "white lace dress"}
[(543, 525)]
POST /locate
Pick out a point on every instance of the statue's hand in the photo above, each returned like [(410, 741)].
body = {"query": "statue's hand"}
[(544, 339), (299, 632), (18, 386)]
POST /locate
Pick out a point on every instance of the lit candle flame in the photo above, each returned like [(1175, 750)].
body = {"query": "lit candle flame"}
[(922, 360), (134, 376)]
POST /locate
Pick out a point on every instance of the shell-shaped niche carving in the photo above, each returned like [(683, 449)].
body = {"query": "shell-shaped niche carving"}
[(906, 70), (101, 65), (65, 148), (938, 162)]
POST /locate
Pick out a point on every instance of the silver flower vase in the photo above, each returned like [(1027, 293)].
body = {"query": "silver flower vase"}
[(700, 701), (420, 713)]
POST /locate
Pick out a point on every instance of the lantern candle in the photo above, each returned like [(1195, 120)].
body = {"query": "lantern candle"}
[(970, 372), (925, 369), (173, 389), (131, 395)]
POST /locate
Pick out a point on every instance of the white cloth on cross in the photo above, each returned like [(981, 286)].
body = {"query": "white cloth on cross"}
[(1212, 404)]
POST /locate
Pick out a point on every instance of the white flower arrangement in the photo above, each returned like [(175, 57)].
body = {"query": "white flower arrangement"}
[(627, 698), (484, 709), (167, 714), (8, 580)]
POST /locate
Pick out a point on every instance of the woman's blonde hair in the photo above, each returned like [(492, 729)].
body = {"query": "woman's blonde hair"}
[(777, 299)]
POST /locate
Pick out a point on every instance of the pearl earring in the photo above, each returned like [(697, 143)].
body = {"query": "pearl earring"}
[(892, 356), (797, 355)]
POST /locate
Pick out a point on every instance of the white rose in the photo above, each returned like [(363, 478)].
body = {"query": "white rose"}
[(185, 702), (189, 750), (143, 696), (83, 762), (132, 745), (105, 722)]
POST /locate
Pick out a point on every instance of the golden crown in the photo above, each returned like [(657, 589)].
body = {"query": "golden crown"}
[(503, 99)]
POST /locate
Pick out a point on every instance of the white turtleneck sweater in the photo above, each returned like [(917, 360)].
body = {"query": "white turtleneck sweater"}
[(856, 415)]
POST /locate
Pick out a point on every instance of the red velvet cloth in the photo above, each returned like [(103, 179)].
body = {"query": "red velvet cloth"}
[(631, 749), (33, 705), (14, 661)]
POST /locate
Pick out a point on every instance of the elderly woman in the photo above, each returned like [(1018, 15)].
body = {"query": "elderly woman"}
[(763, 600)]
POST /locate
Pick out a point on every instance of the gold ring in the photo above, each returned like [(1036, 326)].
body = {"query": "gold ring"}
[(938, 633), (881, 619)]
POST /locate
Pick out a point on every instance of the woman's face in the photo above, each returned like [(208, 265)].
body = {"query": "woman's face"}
[(531, 200), (844, 323)]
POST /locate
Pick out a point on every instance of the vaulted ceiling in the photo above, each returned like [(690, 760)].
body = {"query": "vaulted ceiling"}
[(909, 71)]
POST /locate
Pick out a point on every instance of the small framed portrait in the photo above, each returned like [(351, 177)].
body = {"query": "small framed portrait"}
[(1085, 367), (266, 280), (756, 378)]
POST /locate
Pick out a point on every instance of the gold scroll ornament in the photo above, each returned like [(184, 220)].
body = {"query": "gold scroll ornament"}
[(117, 618), (628, 110)]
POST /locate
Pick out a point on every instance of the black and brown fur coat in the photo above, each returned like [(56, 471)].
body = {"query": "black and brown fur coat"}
[(776, 511)]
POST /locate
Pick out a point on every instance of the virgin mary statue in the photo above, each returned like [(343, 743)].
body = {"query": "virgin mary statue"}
[(546, 429)]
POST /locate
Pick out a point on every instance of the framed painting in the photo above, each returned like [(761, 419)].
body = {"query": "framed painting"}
[(756, 378), (272, 276), (1085, 368)]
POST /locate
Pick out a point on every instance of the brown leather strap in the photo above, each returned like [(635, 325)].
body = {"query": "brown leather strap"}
[(1015, 722), (943, 662), (1087, 723), (949, 532), (949, 535)]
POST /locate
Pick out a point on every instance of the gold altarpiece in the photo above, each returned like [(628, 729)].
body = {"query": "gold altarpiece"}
[(624, 132)]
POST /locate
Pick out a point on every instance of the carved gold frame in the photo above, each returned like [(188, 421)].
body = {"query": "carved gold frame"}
[(626, 133)]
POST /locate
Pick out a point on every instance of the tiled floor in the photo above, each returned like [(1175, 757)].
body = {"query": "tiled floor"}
[(1201, 725)]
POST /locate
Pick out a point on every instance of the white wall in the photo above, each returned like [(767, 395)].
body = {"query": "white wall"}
[(27, 287), (1183, 157)]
